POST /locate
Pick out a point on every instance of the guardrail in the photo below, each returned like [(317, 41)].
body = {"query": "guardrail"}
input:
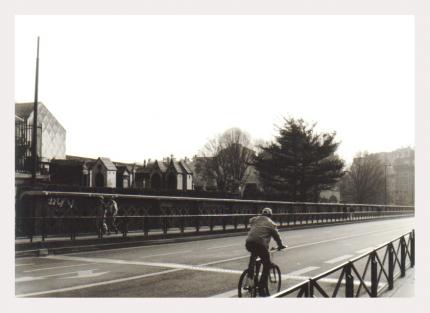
[(72, 214), (387, 262)]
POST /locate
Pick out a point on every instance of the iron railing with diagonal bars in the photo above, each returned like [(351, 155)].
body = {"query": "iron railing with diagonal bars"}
[(369, 274), (52, 214)]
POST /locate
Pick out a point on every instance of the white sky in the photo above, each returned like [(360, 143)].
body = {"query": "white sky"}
[(138, 87)]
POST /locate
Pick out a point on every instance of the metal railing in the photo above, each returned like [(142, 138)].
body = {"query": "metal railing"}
[(47, 214), (368, 275)]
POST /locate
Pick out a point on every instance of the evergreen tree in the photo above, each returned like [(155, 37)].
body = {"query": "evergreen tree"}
[(300, 163)]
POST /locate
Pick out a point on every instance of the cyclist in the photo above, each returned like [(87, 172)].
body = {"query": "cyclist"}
[(262, 230)]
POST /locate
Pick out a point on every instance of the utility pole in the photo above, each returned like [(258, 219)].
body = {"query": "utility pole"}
[(34, 130)]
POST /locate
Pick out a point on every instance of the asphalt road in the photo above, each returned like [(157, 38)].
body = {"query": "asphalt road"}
[(205, 268)]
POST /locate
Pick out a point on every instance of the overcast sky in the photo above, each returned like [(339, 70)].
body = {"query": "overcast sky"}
[(138, 87)]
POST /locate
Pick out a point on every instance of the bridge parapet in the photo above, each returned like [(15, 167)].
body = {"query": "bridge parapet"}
[(72, 214)]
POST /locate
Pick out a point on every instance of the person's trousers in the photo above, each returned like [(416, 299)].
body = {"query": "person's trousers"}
[(258, 250)]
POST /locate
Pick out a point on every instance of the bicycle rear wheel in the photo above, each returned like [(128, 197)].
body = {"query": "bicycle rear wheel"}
[(247, 287), (274, 281)]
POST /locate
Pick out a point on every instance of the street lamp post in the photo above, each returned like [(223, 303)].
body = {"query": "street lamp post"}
[(34, 130)]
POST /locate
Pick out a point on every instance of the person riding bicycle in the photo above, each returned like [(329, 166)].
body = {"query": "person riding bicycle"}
[(257, 242)]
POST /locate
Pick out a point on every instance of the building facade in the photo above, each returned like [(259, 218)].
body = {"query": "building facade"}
[(53, 134)]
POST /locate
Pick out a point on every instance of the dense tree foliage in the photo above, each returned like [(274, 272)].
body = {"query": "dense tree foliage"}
[(300, 162)]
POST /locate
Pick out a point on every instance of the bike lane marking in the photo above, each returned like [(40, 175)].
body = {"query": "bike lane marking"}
[(338, 259), (54, 267), (164, 254), (225, 246), (303, 270), (31, 278)]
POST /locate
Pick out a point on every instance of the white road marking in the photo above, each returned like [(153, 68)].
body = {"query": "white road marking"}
[(199, 267), (163, 254), (338, 259), (16, 265), (30, 278), (26, 278), (54, 267), (86, 274), (362, 251), (304, 270), (226, 246)]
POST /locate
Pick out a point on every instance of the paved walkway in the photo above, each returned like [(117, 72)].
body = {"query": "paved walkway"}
[(403, 287)]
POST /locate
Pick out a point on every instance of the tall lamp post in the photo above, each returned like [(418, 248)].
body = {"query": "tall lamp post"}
[(34, 130), (385, 167)]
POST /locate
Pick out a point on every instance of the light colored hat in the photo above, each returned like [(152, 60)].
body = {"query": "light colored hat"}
[(266, 211)]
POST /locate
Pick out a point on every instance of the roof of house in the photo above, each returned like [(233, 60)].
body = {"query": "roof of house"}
[(23, 110), (122, 169), (108, 164), (176, 166), (185, 167)]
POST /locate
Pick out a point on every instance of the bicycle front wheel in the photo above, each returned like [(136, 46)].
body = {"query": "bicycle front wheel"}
[(274, 281), (247, 286)]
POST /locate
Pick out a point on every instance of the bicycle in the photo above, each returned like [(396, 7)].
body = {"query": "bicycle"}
[(248, 287)]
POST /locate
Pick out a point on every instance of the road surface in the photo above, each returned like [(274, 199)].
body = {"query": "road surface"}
[(204, 268)]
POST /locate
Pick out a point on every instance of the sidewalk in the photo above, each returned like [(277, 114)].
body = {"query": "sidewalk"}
[(403, 287)]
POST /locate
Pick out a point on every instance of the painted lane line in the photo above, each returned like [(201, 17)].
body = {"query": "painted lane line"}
[(164, 254), (199, 267), (338, 259), (362, 251), (226, 246), (16, 265), (54, 267), (102, 283), (303, 270)]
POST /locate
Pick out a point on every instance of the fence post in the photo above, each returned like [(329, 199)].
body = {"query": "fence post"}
[(125, 229), (373, 275), (145, 226), (413, 248), (402, 257), (390, 266), (164, 225), (349, 281), (311, 288), (197, 224)]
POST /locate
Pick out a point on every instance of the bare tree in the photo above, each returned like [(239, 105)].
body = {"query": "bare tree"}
[(226, 159), (365, 180)]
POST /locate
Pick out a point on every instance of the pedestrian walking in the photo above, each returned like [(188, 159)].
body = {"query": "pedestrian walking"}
[(101, 216), (111, 213)]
